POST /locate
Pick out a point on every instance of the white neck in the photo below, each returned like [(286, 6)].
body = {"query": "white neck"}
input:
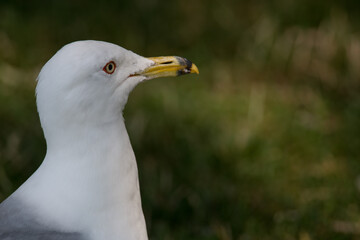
[(90, 185)]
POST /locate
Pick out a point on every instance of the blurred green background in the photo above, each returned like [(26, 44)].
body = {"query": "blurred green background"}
[(263, 144)]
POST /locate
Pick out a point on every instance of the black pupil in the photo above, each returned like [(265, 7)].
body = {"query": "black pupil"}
[(110, 67)]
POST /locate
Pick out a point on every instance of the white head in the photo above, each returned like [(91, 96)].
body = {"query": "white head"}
[(88, 83)]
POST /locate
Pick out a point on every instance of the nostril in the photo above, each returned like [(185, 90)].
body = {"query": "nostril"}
[(168, 62)]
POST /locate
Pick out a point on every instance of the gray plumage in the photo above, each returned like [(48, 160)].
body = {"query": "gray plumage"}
[(17, 222)]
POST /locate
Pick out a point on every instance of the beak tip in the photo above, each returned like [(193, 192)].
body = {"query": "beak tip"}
[(194, 69)]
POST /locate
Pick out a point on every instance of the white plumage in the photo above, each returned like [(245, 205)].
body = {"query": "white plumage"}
[(87, 186)]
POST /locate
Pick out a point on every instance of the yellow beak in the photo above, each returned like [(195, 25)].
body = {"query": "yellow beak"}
[(169, 66)]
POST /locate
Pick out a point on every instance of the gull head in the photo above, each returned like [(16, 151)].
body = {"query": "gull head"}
[(88, 82)]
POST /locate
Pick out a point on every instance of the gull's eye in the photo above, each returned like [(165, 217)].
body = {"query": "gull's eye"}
[(110, 67)]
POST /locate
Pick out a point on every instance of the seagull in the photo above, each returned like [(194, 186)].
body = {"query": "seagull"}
[(87, 187)]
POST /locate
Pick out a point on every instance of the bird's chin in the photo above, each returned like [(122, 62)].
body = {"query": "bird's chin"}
[(136, 78), (127, 85)]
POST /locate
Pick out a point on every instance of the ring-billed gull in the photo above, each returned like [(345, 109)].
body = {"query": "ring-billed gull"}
[(87, 186)]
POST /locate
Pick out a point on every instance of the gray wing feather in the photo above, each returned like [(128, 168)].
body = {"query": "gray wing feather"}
[(39, 235), (17, 222)]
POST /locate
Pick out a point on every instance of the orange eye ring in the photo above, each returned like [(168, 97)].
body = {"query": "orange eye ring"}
[(109, 67)]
